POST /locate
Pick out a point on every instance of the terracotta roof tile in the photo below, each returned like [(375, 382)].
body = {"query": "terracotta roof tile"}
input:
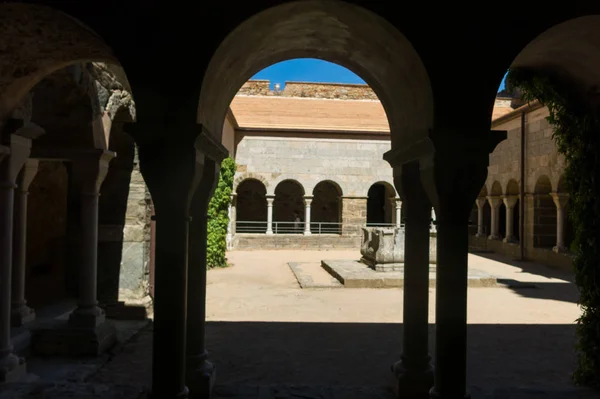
[(309, 113)]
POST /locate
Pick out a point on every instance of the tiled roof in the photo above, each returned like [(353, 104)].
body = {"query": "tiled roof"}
[(274, 112), (318, 114)]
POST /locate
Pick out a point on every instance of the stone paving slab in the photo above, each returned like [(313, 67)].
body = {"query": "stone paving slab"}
[(354, 274), (71, 390), (312, 275)]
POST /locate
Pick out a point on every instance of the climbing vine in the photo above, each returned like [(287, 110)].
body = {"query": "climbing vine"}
[(218, 216), (576, 121)]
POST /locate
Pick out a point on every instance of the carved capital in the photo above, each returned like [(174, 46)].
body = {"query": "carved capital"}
[(480, 202), (510, 201), (560, 199), (90, 168), (270, 199), (308, 200), (27, 174), (494, 201), (19, 150)]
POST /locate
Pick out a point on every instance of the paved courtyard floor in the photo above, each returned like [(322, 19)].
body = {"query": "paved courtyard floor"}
[(264, 330)]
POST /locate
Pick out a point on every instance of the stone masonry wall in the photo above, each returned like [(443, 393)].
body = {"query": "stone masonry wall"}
[(354, 165), (354, 215), (134, 282), (309, 89)]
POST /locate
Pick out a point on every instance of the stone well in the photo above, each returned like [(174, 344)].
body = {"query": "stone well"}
[(382, 248)]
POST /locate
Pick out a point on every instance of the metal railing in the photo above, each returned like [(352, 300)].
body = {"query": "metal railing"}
[(251, 227)]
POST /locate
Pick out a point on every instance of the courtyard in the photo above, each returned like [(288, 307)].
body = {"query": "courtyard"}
[(263, 330)]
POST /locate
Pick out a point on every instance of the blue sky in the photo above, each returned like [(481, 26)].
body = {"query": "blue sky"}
[(310, 70)]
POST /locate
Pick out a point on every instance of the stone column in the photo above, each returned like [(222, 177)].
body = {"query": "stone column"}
[(307, 201), (509, 202), (89, 171), (464, 162), (171, 166), (495, 202), (480, 227), (397, 206), (560, 200), (200, 373), (413, 373), (21, 313), (12, 367), (270, 199), (433, 221)]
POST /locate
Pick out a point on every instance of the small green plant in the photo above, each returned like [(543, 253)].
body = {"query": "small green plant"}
[(576, 121), (218, 216)]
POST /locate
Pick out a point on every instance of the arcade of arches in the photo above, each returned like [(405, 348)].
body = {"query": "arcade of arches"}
[(71, 130)]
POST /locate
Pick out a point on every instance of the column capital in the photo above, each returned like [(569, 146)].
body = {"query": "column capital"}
[(207, 144), (90, 169), (560, 199), (19, 151), (480, 202), (510, 200), (308, 200), (494, 201)]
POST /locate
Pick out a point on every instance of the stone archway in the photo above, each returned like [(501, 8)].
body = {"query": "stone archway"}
[(379, 205), (380, 55), (326, 208), (288, 207), (251, 207)]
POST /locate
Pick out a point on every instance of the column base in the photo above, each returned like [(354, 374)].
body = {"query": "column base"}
[(480, 235), (307, 233), (200, 377), (509, 240), (269, 233), (22, 315), (492, 237), (411, 384), (87, 318), (12, 368), (559, 250), (435, 395), (67, 339)]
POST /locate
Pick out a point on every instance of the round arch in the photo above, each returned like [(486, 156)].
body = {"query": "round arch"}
[(326, 207), (512, 187), (31, 53), (239, 179), (379, 205), (570, 49), (496, 189), (251, 206), (288, 206), (380, 54)]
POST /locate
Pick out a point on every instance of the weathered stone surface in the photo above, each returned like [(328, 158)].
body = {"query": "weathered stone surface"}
[(308, 89), (294, 241), (305, 274), (57, 338)]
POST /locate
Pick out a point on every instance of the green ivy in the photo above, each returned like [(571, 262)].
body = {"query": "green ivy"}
[(576, 122), (218, 216)]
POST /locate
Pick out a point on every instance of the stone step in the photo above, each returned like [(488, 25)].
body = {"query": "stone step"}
[(312, 275)]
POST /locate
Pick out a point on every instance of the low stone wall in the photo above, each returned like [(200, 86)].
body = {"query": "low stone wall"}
[(294, 241)]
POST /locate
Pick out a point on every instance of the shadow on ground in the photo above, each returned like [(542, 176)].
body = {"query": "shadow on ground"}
[(534, 357)]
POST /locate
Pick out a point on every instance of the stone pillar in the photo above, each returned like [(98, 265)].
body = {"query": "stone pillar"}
[(200, 373), (495, 202), (21, 313), (463, 161), (171, 166), (354, 215), (509, 202), (413, 373), (12, 367), (480, 227), (560, 200), (89, 171), (307, 201), (270, 199), (433, 221)]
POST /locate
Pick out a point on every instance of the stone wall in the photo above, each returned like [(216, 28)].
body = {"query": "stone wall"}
[(353, 165), (354, 215), (341, 91), (133, 282)]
